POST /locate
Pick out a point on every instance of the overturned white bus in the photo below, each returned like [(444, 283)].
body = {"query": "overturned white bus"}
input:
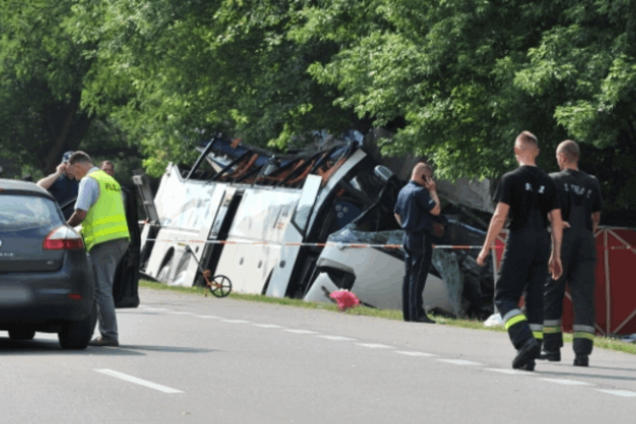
[(263, 221)]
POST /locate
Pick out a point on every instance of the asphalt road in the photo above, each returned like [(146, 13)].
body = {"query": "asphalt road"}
[(205, 360)]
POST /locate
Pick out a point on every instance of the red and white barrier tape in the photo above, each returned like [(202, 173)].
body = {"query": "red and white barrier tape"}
[(334, 244), (621, 248)]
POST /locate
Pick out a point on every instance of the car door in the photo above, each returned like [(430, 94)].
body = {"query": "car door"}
[(126, 283)]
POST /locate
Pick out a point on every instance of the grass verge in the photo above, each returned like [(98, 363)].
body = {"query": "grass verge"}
[(599, 342)]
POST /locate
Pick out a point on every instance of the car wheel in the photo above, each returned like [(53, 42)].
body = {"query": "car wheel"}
[(77, 334), (21, 334)]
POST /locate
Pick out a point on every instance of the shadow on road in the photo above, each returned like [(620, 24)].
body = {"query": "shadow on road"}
[(597, 376), (52, 347), (613, 368), (47, 347), (176, 349)]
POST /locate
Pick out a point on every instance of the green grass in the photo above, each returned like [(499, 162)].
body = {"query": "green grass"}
[(599, 342)]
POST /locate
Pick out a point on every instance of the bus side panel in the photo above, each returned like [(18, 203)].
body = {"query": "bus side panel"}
[(163, 253), (202, 236), (258, 229), (284, 268)]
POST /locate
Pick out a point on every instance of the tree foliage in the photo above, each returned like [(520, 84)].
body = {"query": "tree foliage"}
[(198, 68), (43, 73), (455, 80), (467, 76)]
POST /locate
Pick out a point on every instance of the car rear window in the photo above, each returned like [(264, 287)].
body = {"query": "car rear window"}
[(20, 212)]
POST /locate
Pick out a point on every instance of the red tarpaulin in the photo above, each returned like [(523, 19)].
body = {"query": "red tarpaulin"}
[(615, 294)]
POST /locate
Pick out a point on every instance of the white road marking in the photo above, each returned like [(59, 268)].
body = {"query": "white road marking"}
[(336, 338), (511, 372), (409, 353), (268, 325), (208, 316), (624, 393), (181, 313), (139, 381), (374, 345), (145, 308), (567, 382), (235, 321), (301, 331), (459, 362)]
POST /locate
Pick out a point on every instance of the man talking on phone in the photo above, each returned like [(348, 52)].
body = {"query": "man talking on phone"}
[(416, 203)]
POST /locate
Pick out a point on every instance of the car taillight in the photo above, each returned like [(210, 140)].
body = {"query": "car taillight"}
[(63, 238)]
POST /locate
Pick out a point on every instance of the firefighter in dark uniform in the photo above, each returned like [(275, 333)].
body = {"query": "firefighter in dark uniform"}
[(581, 204), (529, 197), (416, 202)]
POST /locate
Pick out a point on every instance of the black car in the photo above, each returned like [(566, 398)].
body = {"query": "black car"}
[(46, 281)]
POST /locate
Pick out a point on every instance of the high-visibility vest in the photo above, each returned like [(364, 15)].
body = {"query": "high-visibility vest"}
[(106, 219)]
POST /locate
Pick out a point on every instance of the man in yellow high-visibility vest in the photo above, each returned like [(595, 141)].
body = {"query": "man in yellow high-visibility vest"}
[(100, 210)]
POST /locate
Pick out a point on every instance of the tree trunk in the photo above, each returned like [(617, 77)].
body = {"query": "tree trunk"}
[(67, 128)]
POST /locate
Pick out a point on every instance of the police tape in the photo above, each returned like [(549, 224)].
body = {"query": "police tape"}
[(302, 244), (627, 247)]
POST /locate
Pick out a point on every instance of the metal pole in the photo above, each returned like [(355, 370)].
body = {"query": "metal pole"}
[(200, 159)]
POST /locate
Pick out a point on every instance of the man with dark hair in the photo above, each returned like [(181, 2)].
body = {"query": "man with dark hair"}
[(529, 197), (416, 202), (100, 210), (581, 204), (62, 185), (108, 167)]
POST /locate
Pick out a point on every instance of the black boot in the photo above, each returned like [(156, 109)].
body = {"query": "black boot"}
[(529, 351), (582, 360), (425, 319), (551, 355), (530, 365)]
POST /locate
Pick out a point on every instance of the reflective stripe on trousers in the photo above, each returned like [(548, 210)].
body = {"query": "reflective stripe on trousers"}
[(513, 317), (537, 331)]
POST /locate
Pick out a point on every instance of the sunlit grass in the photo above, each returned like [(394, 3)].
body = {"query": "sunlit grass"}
[(599, 342)]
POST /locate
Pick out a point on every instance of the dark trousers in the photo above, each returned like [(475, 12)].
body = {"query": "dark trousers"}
[(578, 257), (524, 268), (417, 261)]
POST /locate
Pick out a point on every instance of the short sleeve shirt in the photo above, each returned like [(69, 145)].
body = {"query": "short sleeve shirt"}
[(64, 189), (580, 196), (414, 205), (531, 195), (88, 192)]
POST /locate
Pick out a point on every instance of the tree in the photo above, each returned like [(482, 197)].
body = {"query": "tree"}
[(198, 68), (463, 78), (43, 72), (586, 65), (444, 69), (456, 81)]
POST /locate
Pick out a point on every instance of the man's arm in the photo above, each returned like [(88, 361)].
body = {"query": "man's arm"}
[(496, 225), (398, 218), (77, 218), (557, 236), (596, 220), (430, 185), (48, 181), (86, 197)]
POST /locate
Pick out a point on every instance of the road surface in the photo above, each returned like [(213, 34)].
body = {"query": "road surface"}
[(190, 359)]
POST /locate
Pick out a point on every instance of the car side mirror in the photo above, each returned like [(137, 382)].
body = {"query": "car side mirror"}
[(383, 172)]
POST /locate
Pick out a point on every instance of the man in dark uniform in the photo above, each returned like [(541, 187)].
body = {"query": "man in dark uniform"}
[(62, 185), (529, 197), (416, 202), (581, 204)]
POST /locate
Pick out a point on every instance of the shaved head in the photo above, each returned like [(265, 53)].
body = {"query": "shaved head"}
[(526, 148), (526, 141), (570, 149), (421, 171)]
